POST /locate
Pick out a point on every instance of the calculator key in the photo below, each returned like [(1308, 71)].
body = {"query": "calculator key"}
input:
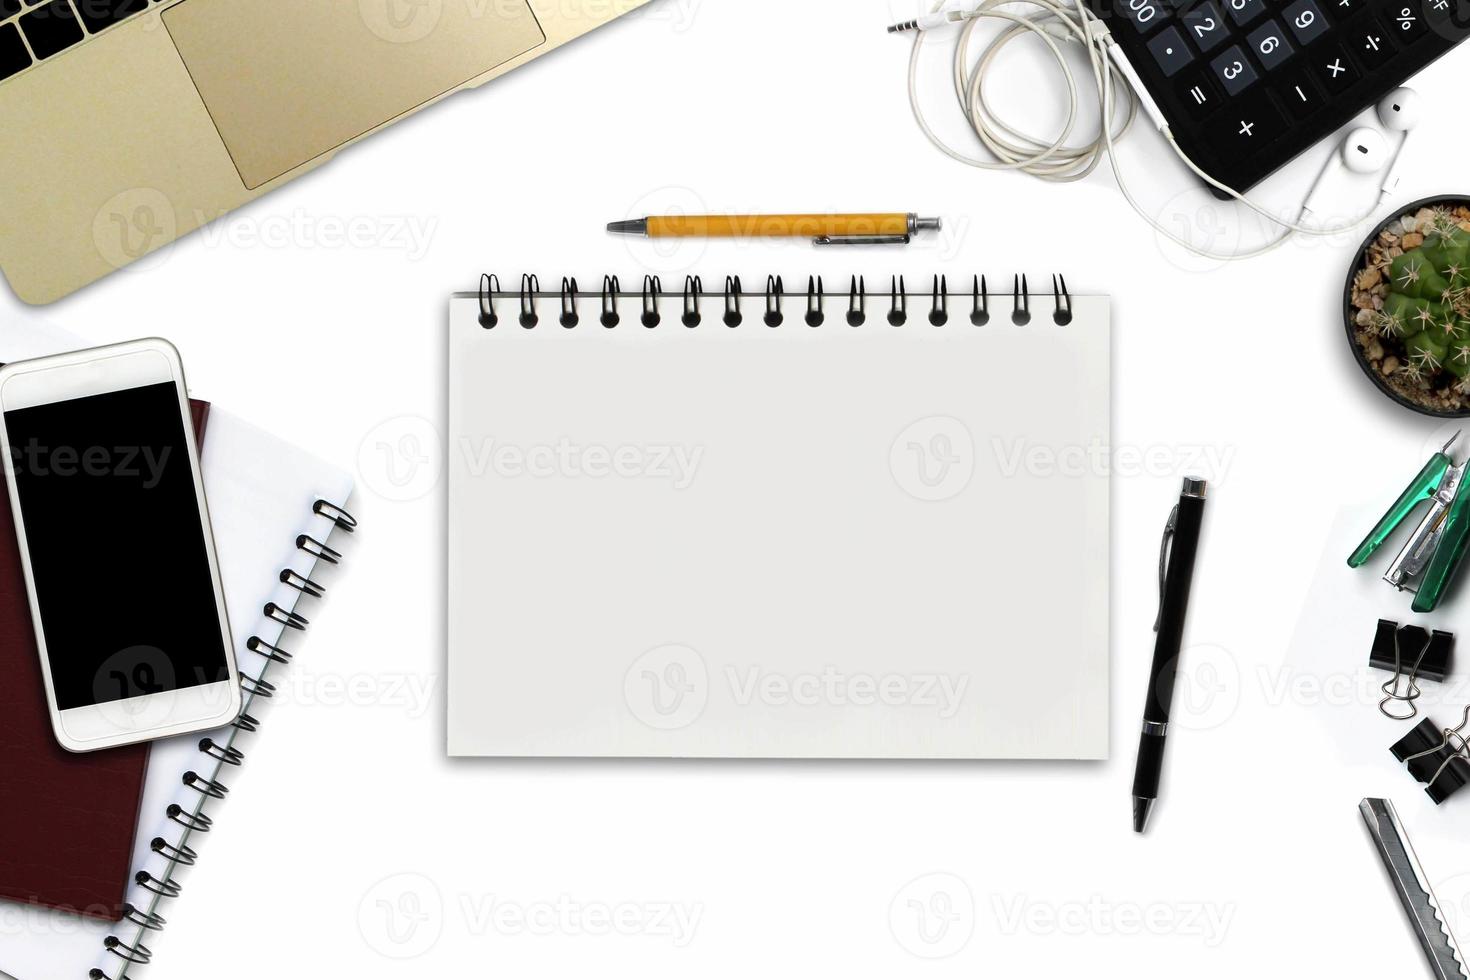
[(1270, 45), (1205, 26), (1404, 19), (1145, 15), (1198, 93), (1373, 44), (1343, 9), (1448, 18), (1335, 72), (13, 54), (1170, 51), (1234, 70), (1245, 11), (1305, 20), (1299, 94), (1247, 127)]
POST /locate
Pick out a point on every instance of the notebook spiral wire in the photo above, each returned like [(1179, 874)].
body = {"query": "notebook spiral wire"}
[(218, 756), (774, 300)]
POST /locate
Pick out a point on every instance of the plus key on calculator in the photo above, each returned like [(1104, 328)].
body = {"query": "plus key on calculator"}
[(1247, 85)]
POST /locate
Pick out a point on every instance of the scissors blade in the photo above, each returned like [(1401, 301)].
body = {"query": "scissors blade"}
[(1413, 889)]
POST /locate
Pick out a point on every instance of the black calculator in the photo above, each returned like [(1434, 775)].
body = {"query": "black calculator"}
[(1246, 85)]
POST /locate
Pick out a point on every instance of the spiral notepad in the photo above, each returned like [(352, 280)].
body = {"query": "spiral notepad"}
[(785, 521), (273, 508)]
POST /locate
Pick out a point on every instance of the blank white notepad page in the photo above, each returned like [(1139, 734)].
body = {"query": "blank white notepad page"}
[(869, 542)]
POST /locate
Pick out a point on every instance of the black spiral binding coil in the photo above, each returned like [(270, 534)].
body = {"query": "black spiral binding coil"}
[(222, 751), (773, 298)]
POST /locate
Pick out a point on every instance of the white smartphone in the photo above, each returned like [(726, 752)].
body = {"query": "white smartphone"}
[(120, 569)]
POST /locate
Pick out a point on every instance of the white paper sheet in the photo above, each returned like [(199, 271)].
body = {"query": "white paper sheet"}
[(870, 542)]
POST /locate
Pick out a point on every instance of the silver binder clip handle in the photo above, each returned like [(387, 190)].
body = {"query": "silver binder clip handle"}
[(1169, 529)]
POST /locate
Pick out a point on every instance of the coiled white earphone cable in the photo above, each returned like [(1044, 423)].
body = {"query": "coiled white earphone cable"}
[(1056, 160)]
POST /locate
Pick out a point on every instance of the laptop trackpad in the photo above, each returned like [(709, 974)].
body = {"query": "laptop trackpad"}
[(289, 80)]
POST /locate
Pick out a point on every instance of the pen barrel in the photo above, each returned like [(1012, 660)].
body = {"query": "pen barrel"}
[(1150, 766), (1175, 603), (777, 225)]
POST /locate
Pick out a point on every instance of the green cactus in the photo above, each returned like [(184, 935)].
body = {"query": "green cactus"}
[(1428, 304)]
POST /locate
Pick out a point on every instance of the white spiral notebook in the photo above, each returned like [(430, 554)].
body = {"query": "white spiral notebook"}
[(273, 507), (820, 526)]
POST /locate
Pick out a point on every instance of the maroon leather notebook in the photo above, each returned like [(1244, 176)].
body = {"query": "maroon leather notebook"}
[(67, 821)]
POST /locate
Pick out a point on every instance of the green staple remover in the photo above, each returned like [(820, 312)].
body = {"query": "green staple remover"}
[(1430, 559)]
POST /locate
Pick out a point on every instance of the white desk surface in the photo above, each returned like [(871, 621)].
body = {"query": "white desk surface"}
[(352, 846)]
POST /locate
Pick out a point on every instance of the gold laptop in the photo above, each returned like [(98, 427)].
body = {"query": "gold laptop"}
[(128, 123)]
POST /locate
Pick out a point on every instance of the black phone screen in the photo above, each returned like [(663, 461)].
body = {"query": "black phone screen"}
[(116, 545)]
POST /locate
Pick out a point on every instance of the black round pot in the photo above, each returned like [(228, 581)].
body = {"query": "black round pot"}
[(1349, 312)]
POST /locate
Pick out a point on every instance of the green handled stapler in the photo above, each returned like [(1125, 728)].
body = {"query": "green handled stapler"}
[(1433, 554)]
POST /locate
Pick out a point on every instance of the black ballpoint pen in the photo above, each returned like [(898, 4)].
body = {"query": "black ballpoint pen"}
[(1176, 572)]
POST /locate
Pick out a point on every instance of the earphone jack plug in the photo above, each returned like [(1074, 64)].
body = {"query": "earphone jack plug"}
[(927, 22)]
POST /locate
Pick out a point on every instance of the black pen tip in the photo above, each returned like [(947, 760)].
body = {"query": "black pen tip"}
[(1141, 808), (638, 226)]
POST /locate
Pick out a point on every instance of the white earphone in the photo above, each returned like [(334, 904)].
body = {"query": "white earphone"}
[(1056, 22), (1399, 112), (1363, 151)]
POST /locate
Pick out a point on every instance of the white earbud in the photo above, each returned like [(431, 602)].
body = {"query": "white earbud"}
[(1364, 151), (1400, 111)]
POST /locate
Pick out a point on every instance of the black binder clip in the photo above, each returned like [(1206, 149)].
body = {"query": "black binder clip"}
[(1436, 757), (1412, 654)]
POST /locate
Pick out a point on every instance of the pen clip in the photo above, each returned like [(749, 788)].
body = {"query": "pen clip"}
[(862, 240), (1169, 529)]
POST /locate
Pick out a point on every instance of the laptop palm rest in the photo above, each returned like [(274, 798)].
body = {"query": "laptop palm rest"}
[(286, 81)]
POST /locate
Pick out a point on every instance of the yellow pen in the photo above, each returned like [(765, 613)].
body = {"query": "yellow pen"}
[(823, 229)]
